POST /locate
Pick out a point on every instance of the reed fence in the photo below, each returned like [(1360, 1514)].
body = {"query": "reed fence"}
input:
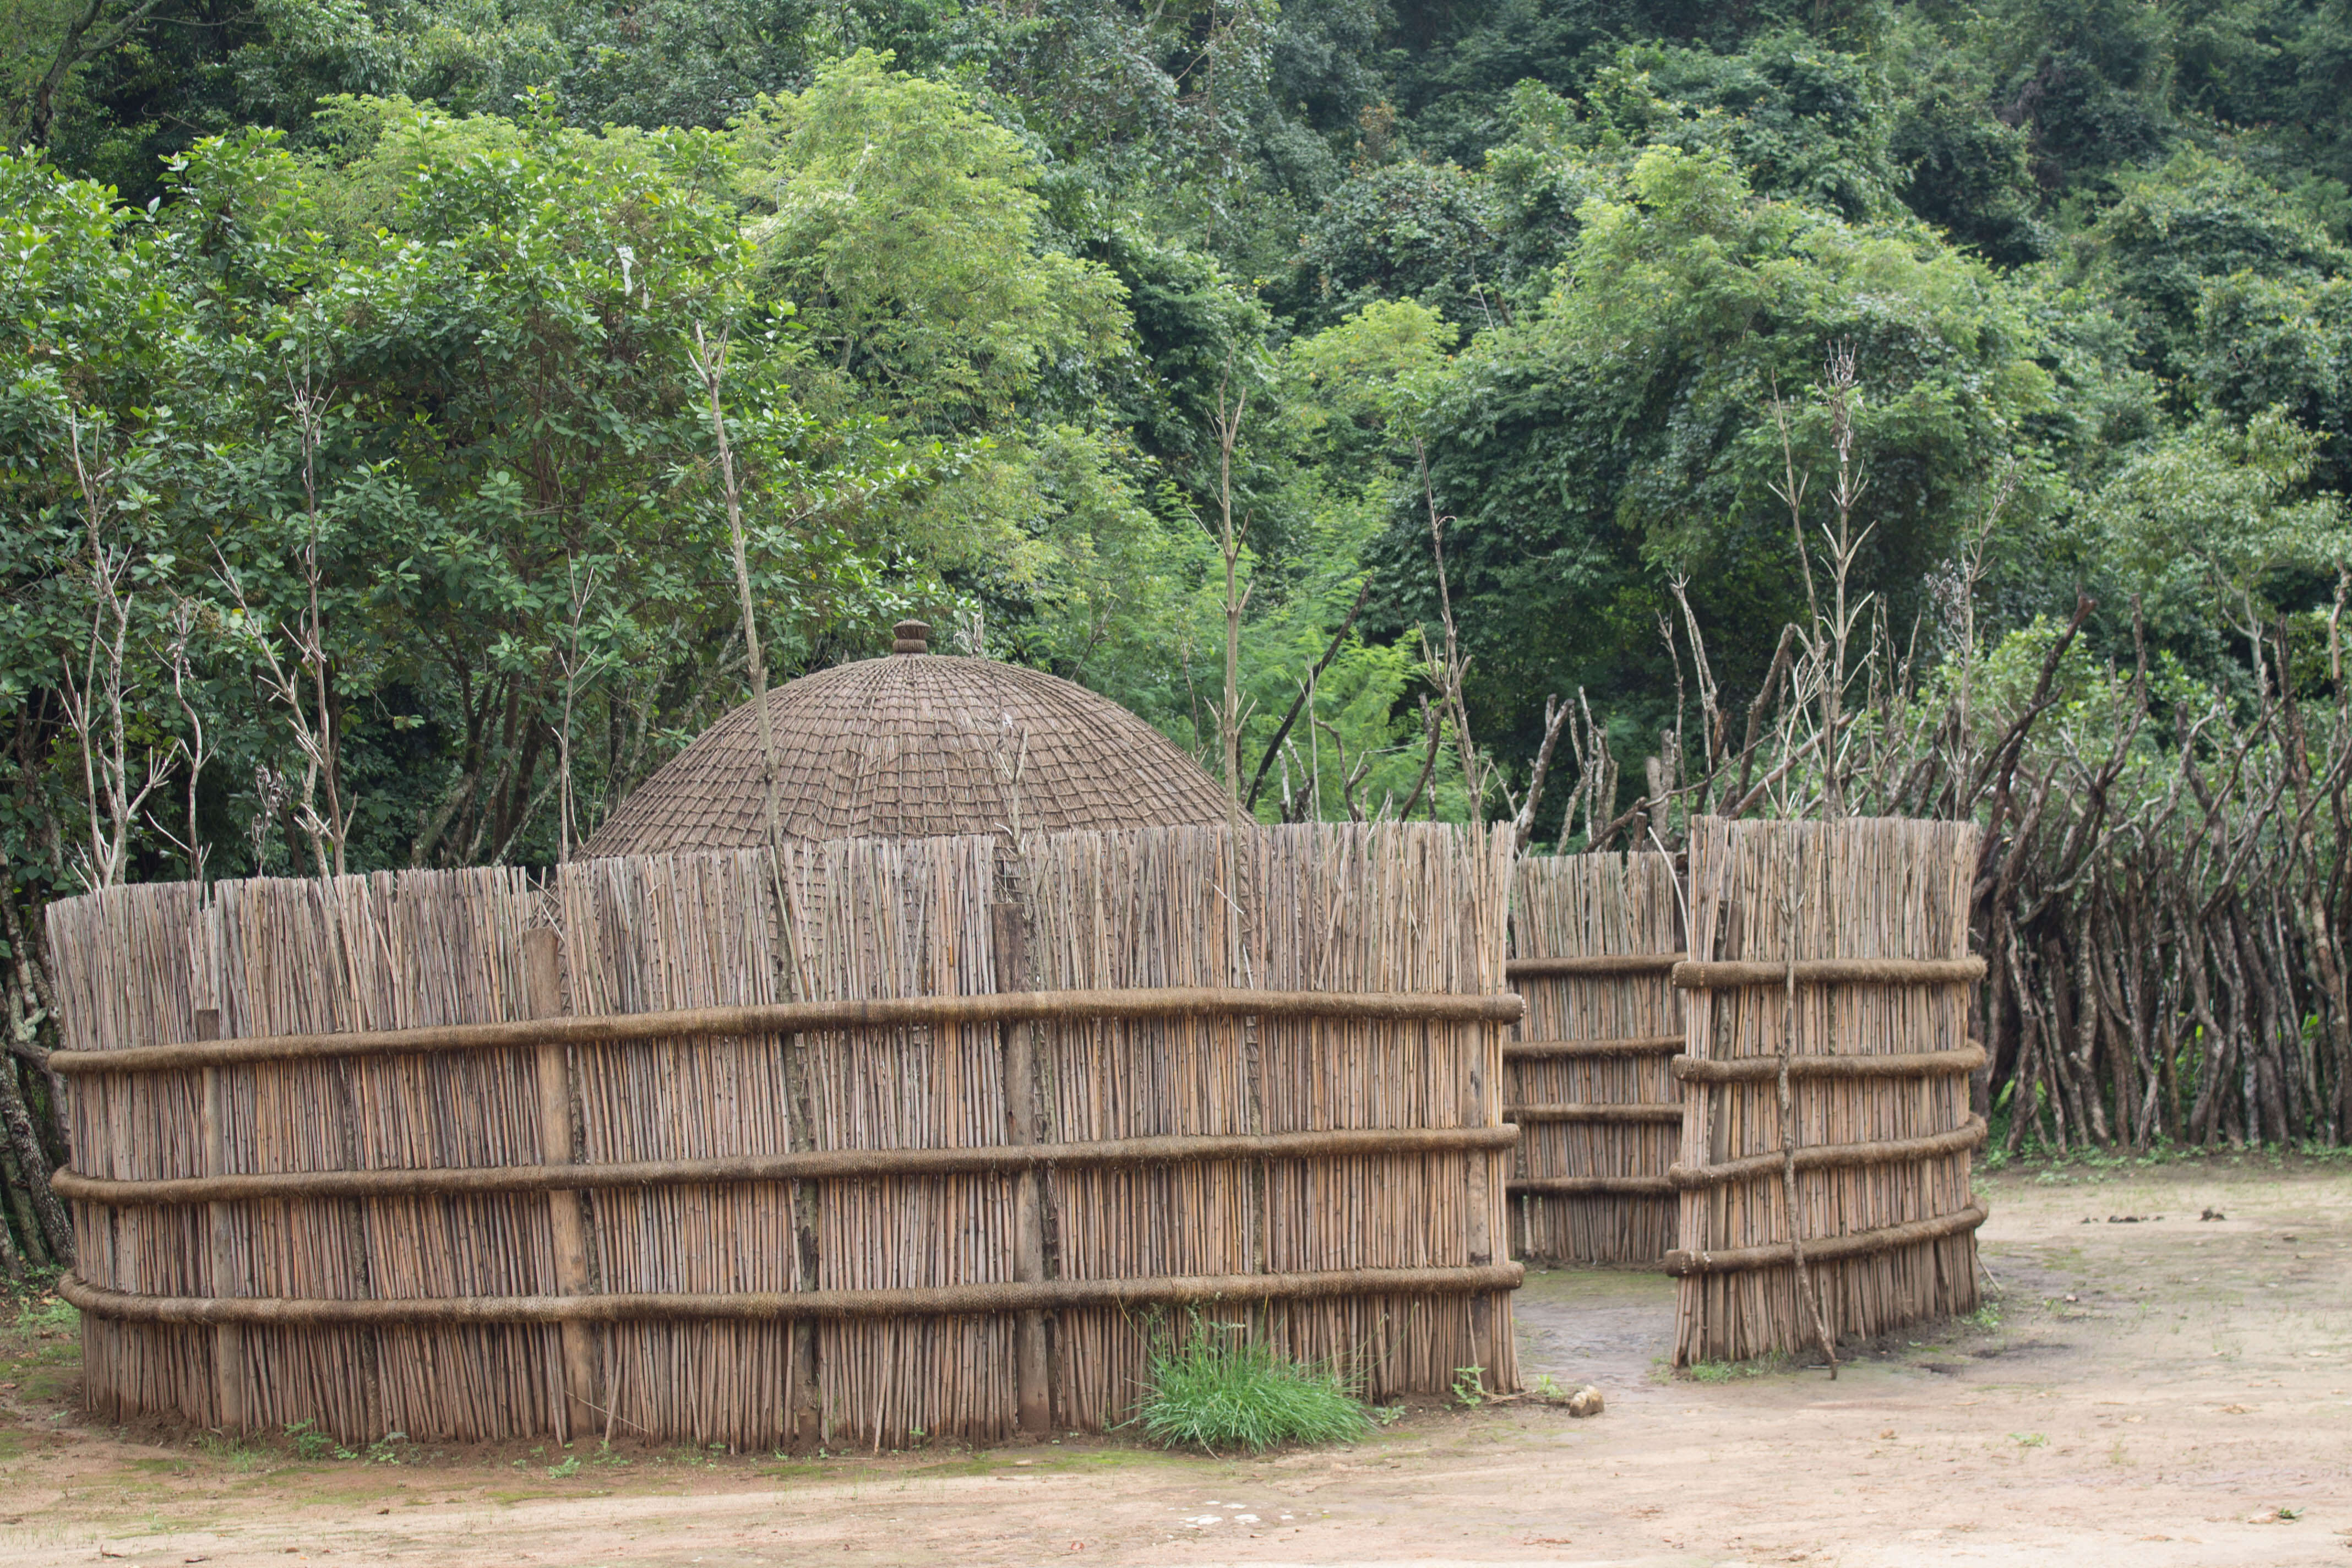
[(1593, 940), (878, 1140), (1826, 1141)]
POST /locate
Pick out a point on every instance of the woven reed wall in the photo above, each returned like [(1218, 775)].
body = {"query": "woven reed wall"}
[(1861, 888), (1391, 909), (1590, 906)]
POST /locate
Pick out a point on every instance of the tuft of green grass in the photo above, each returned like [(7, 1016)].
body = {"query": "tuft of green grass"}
[(1767, 1365), (45, 1316), (1220, 1391), (234, 1452)]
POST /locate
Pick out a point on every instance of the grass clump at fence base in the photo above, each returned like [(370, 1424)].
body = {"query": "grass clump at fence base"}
[(1221, 1390)]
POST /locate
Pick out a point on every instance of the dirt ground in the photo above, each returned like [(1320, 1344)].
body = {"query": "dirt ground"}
[(2175, 1391)]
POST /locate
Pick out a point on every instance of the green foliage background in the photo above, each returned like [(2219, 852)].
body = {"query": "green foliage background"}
[(984, 271)]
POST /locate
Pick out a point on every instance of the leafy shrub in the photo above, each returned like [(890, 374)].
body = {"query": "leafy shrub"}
[(1222, 1391)]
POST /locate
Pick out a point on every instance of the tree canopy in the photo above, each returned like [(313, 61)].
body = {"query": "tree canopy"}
[(374, 327)]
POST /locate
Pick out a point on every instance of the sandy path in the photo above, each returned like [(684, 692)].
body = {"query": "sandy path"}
[(2198, 1383)]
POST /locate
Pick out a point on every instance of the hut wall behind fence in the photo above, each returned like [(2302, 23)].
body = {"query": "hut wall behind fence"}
[(1330, 908), (1884, 1204), (1587, 1077)]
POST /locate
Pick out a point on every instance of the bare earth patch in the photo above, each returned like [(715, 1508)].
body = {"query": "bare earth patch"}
[(2155, 1391)]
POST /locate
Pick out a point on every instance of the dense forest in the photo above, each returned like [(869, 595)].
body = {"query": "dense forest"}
[(1574, 413)]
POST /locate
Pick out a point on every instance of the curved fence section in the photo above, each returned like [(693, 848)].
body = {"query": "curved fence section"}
[(880, 1139), (1824, 1187)]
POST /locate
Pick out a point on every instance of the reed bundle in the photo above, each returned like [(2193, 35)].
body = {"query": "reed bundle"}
[(1594, 939), (831, 1210), (1874, 914)]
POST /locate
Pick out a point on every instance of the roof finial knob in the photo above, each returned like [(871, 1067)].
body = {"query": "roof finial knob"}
[(914, 636)]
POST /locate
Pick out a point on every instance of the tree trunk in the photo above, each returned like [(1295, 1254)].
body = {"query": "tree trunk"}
[(25, 1148)]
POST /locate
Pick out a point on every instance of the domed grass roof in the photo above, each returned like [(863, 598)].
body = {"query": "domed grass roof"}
[(911, 746)]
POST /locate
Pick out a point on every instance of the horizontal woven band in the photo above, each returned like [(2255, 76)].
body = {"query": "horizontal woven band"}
[(1592, 965), (816, 1165), (781, 1306), (804, 1017), (1590, 1187), (1827, 1248), (1835, 1156), (1628, 1046), (1767, 1069), (1729, 974), (1596, 1112)]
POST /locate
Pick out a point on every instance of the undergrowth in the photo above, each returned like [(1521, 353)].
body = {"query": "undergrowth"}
[(45, 1315), (1221, 1390), (1770, 1365), (2040, 1156)]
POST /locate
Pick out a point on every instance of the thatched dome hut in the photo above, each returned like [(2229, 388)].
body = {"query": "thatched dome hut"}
[(917, 745)]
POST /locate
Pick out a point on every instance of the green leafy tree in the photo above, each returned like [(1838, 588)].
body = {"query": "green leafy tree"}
[(909, 230), (2177, 230), (2218, 519), (1624, 431)]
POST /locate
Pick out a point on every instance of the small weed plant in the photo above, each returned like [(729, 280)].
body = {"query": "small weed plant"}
[(46, 1316), (234, 1452), (308, 1442), (1221, 1391)]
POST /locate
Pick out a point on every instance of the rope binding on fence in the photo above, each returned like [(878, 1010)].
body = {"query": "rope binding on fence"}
[(812, 1165), (811, 1018)]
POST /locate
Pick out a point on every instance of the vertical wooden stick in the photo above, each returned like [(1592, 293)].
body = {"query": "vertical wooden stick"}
[(542, 963), (228, 1339), (1486, 1110), (1032, 1393), (1808, 1298)]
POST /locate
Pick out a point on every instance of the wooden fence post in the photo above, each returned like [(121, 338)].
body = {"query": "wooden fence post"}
[(1481, 1238), (1032, 1379), (542, 964), (228, 1339)]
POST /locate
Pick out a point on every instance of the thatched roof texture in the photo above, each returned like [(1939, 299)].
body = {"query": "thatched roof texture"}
[(916, 745)]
